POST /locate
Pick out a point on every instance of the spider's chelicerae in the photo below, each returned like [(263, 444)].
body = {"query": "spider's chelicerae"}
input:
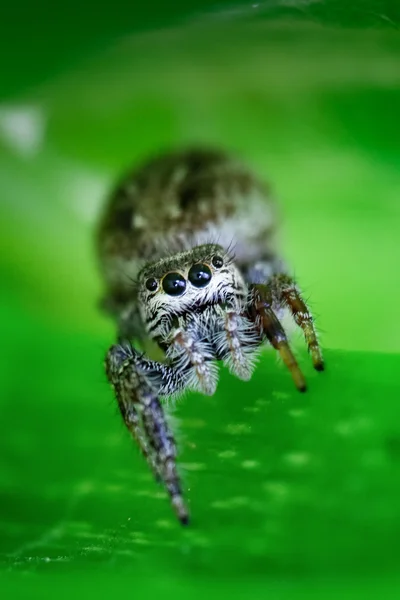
[(187, 251)]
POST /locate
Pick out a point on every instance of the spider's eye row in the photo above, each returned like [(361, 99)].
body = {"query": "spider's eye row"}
[(217, 261), (199, 275), (174, 284), (151, 284)]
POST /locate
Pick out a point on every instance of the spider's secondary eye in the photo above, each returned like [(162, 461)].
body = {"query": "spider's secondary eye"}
[(217, 261), (199, 275), (174, 284), (151, 284)]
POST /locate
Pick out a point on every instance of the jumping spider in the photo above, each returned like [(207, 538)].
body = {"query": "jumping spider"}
[(164, 244)]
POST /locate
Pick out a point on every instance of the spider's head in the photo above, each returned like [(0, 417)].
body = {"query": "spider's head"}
[(187, 282)]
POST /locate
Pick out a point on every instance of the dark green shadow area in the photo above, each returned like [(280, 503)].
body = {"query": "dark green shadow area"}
[(39, 40)]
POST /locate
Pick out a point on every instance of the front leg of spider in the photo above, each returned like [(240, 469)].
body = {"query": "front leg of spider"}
[(279, 292), (138, 383)]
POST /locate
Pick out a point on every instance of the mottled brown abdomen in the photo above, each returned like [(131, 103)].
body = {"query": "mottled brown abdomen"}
[(178, 200)]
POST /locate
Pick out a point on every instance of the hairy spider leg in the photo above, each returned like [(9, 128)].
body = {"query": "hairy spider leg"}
[(285, 289), (135, 380), (271, 326)]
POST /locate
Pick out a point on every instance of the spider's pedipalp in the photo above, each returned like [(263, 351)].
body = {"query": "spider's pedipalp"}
[(238, 358), (236, 341), (196, 353)]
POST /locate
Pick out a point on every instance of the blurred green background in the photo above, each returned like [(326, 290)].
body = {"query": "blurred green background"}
[(294, 496)]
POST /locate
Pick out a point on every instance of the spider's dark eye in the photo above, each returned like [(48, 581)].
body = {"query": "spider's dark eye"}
[(174, 284), (199, 275), (217, 261), (151, 284)]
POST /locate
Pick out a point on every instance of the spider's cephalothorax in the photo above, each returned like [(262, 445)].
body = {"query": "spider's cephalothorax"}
[(165, 251)]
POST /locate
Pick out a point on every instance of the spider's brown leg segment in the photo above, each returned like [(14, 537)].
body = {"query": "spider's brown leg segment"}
[(288, 293), (275, 333), (135, 380)]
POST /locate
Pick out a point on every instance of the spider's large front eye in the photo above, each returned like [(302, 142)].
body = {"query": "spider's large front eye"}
[(174, 284), (199, 275)]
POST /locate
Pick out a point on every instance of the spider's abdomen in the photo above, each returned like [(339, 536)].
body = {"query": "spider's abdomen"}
[(182, 199)]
